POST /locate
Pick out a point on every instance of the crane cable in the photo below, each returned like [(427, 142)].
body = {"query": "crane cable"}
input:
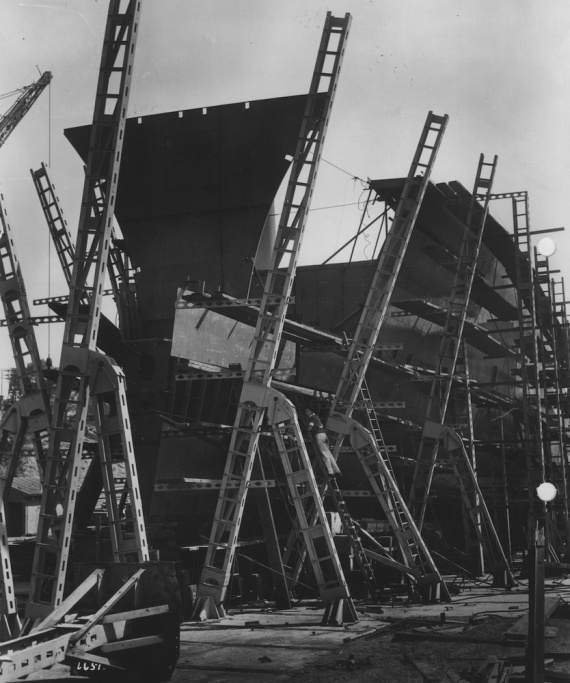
[(48, 359)]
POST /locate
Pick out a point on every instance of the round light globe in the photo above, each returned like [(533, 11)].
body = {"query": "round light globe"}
[(546, 246), (546, 492)]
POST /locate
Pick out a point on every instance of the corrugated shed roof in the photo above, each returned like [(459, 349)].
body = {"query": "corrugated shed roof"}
[(28, 486)]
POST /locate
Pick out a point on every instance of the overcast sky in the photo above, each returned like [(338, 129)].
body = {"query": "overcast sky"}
[(500, 70)]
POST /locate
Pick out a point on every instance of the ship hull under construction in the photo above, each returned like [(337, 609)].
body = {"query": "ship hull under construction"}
[(195, 192)]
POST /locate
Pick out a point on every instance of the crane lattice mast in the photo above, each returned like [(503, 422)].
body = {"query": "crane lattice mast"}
[(22, 105)]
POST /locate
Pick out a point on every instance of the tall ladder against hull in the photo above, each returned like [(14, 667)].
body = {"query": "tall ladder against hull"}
[(533, 442), (352, 384), (31, 412), (369, 445), (553, 360), (476, 509), (388, 267), (258, 400), (84, 373), (472, 521), (451, 362), (562, 360), (451, 341)]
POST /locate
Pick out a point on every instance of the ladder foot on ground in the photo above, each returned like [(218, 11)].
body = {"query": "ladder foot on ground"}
[(339, 612), (206, 608), (431, 592), (502, 578)]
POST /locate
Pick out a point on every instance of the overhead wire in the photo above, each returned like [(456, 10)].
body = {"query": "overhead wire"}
[(352, 175), (48, 232)]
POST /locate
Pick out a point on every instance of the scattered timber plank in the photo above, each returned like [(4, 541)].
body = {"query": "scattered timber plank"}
[(520, 629), (60, 612), (131, 644), (135, 614), (427, 670), (552, 656), (440, 628), (422, 621), (451, 637)]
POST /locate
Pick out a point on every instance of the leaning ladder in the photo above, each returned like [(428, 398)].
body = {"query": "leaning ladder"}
[(553, 359), (122, 285), (388, 267), (352, 382), (55, 219), (451, 341), (528, 353), (352, 386), (83, 371), (258, 399), (378, 468), (31, 412), (563, 362), (452, 361), (121, 272), (373, 423)]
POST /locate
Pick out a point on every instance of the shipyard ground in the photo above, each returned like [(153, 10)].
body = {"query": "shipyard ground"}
[(392, 643)]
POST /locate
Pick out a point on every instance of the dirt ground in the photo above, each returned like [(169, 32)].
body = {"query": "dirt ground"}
[(387, 657)]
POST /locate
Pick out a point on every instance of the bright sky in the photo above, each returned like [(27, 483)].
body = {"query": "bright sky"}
[(501, 71)]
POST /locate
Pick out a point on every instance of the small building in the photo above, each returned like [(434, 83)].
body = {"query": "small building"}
[(23, 506)]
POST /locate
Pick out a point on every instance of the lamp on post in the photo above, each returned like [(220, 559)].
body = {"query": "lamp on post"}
[(546, 492), (546, 246)]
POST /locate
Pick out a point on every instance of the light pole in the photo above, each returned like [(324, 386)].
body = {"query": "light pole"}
[(546, 492)]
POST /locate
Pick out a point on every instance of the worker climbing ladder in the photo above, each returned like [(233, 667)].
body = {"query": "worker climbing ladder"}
[(31, 413), (83, 372), (258, 400)]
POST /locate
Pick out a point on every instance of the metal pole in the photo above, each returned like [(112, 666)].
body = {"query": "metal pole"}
[(535, 641)]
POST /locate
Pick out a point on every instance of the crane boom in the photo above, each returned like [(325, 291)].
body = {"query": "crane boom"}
[(22, 105)]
